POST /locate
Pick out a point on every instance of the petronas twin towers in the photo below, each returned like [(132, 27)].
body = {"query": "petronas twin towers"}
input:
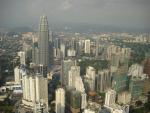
[(43, 43), (42, 52)]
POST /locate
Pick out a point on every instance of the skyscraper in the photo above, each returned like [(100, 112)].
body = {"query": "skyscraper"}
[(83, 101), (110, 103), (62, 49), (87, 46), (66, 66), (60, 100), (22, 56), (110, 97), (35, 92), (90, 77), (97, 47), (103, 80), (35, 53), (43, 42), (75, 101), (17, 75), (73, 73)]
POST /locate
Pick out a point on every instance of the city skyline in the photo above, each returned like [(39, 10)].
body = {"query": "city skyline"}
[(74, 56)]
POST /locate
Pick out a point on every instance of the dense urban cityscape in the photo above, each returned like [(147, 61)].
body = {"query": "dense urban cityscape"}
[(62, 71)]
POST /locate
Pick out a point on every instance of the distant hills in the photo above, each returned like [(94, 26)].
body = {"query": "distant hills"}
[(17, 29), (83, 27), (78, 27), (22, 29)]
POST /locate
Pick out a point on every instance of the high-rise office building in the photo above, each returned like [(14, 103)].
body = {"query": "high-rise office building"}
[(75, 101), (56, 42), (57, 53), (136, 87), (72, 43), (43, 42), (17, 75), (71, 53), (35, 53), (35, 92), (87, 46), (124, 97), (120, 82), (73, 73), (66, 66), (60, 100), (27, 49), (111, 105), (103, 80), (110, 98), (137, 81), (119, 57), (83, 100), (136, 70), (63, 50), (74, 79), (90, 77), (79, 84), (78, 49), (22, 56), (115, 58), (97, 47)]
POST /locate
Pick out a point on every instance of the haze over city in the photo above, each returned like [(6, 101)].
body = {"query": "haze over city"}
[(74, 56), (105, 14)]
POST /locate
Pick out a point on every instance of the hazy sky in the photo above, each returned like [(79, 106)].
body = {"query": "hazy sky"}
[(122, 13)]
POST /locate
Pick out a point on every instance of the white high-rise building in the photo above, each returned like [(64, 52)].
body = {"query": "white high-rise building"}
[(110, 98), (62, 49), (117, 56), (71, 53), (90, 77), (136, 70), (87, 46), (22, 56), (17, 75), (83, 100), (75, 79), (60, 100), (79, 84), (35, 91), (110, 104), (74, 71)]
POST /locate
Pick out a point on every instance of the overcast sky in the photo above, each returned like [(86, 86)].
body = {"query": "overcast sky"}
[(121, 13)]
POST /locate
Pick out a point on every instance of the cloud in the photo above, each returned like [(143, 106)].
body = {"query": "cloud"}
[(130, 13), (66, 5)]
